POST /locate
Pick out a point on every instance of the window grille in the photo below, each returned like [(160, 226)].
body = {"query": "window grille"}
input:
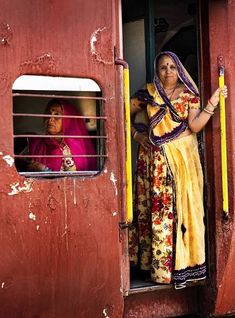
[(28, 116)]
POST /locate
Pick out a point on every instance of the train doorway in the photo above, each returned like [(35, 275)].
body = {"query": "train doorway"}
[(150, 27)]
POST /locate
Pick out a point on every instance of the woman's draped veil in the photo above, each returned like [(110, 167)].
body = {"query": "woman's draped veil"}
[(183, 75), (78, 146)]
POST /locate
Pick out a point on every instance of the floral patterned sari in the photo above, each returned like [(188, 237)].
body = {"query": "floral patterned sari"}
[(167, 234)]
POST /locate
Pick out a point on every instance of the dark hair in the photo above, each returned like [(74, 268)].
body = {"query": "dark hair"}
[(54, 101)]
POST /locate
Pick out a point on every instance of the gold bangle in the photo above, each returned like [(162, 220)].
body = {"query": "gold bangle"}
[(208, 111)]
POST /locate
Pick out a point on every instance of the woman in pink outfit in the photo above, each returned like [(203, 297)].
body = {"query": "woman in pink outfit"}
[(64, 149)]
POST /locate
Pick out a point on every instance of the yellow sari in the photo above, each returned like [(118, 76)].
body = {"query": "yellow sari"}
[(167, 235)]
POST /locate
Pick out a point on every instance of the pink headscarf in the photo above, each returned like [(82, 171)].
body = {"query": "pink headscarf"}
[(78, 146)]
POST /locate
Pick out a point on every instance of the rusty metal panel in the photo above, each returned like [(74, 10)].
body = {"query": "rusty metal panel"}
[(221, 290), (164, 303), (59, 237)]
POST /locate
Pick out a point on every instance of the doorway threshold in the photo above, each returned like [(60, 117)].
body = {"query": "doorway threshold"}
[(141, 286)]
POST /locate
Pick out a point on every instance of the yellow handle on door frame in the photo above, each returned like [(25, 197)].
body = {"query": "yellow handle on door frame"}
[(126, 94), (223, 140)]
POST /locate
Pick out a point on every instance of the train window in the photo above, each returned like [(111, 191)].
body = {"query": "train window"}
[(59, 126)]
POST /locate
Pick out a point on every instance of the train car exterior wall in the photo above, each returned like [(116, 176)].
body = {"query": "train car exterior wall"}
[(62, 253), (60, 237)]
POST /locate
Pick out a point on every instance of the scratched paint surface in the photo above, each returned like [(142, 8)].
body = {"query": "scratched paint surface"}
[(62, 254), (163, 303), (223, 234), (60, 236)]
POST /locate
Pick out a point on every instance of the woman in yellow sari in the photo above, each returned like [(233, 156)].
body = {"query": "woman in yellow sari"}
[(167, 235)]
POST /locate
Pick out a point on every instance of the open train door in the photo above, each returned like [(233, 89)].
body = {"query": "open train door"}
[(60, 245)]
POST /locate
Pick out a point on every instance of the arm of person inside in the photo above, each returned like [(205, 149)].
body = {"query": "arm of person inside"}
[(28, 164), (140, 137)]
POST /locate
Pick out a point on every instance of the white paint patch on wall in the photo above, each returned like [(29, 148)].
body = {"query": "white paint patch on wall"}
[(9, 160), (16, 188), (32, 216), (93, 39), (114, 180), (105, 313)]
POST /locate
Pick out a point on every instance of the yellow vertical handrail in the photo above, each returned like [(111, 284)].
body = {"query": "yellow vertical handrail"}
[(223, 140), (126, 93)]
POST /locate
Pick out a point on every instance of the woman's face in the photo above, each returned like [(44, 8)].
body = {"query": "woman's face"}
[(167, 70), (54, 124)]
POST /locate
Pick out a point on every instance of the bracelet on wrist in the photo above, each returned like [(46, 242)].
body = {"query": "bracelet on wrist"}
[(208, 111)]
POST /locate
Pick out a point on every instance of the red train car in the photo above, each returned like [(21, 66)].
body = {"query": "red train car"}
[(64, 239)]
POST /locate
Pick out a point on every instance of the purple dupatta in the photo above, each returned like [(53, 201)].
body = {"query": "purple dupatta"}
[(144, 96)]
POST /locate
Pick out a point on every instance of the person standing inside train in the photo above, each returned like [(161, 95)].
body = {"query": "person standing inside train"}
[(167, 234)]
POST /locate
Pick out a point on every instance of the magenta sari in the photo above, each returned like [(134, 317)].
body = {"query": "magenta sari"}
[(78, 146)]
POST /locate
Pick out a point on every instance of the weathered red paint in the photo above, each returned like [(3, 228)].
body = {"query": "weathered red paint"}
[(221, 35), (60, 238), (62, 254), (163, 303)]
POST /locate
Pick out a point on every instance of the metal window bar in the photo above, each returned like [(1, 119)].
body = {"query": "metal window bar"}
[(59, 96), (64, 116), (59, 136), (59, 156), (100, 145), (53, 174), (101, 141)]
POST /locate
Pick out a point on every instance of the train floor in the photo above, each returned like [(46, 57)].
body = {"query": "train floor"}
[(140, 278)]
